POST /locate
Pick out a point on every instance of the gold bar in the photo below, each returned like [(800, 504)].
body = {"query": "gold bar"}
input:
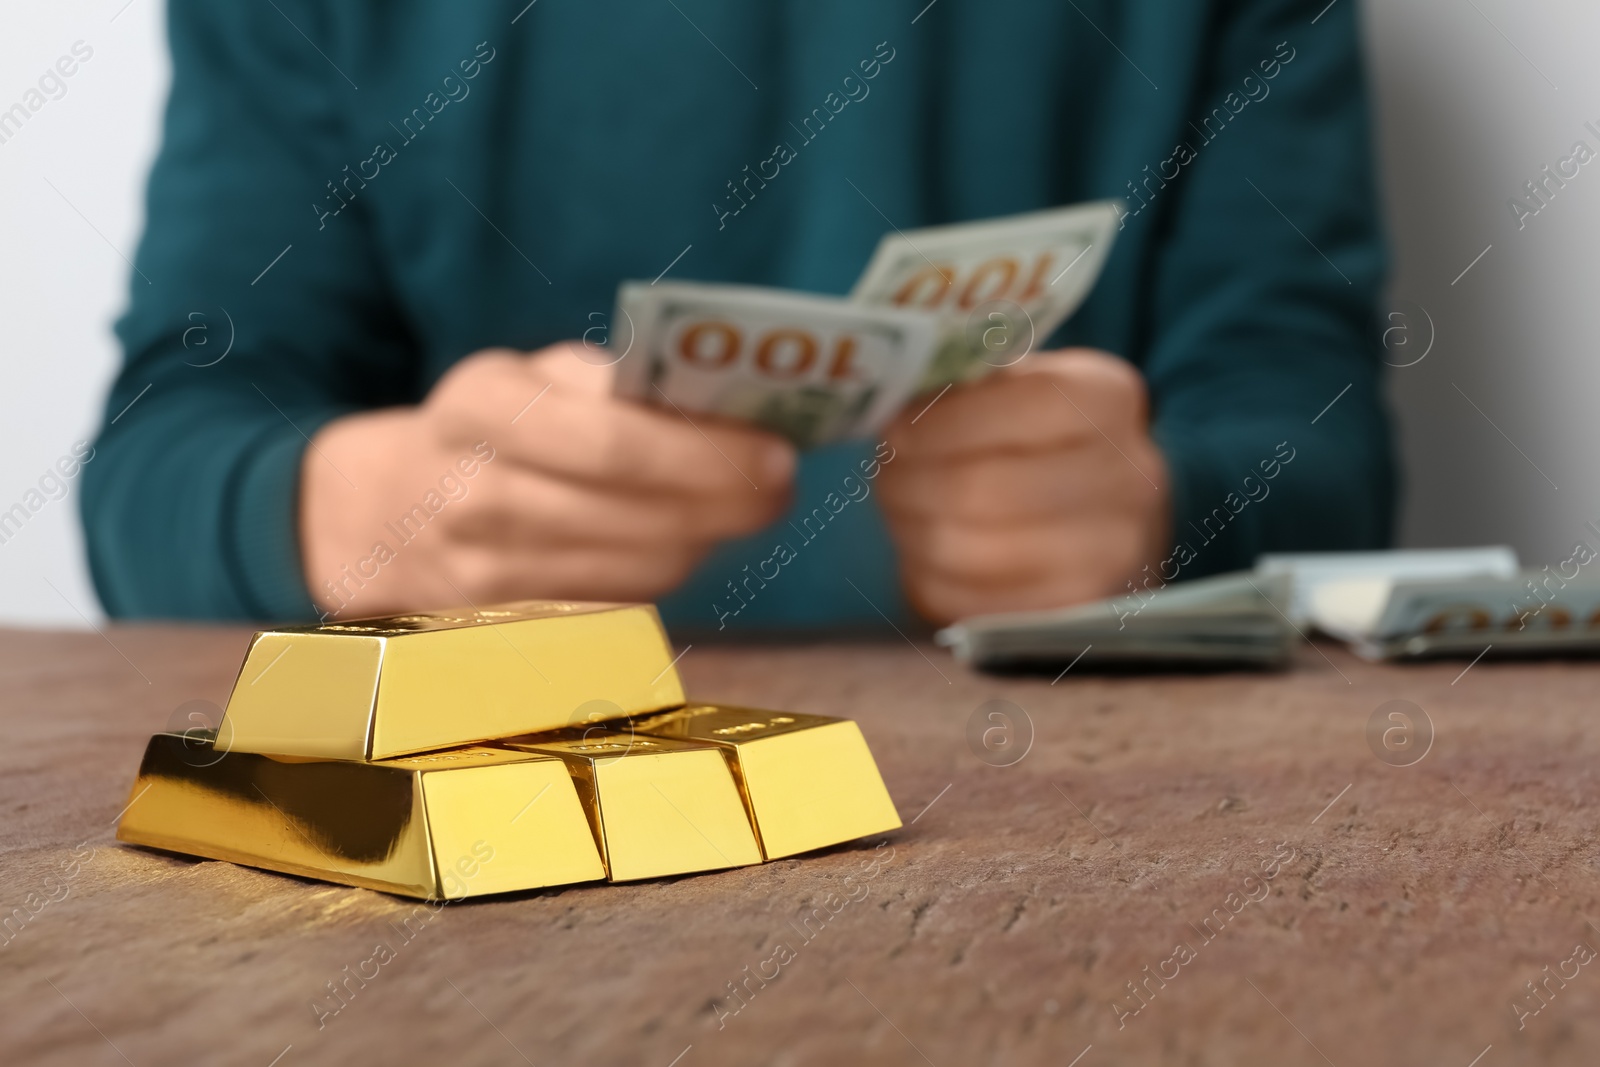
[(442, 826), (657, 806), (810, 780), (378, 688)]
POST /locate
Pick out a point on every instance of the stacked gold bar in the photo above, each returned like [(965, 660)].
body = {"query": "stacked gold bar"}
[(448, 755)]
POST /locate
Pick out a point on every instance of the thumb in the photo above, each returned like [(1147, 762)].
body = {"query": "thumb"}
[(576, 367)]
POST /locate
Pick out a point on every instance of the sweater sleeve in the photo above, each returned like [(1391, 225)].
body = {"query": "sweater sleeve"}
[(253, 321), (1260, 356)]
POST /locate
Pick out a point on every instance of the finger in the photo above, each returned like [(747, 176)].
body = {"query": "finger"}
[(495, 388), (576, 366), (620, 443), (1089, 375), (1054, 398), (1088, 554), (1004, 488), (517, 507), (606, 441), (489, 574), (567, 422), (512, 382), (943, 601)]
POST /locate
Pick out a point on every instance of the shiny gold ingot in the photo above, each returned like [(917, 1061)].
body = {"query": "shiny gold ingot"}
[(447, 825), (377, 688), (658, 806), (810, 781)]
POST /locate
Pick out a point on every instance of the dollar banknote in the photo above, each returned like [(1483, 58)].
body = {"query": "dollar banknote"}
[(814, 369), (1358, 579), (935, 306), (1000, 287), (1227, 620), (1534, 613)]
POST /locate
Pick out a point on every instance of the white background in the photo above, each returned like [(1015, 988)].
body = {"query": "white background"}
[(1497, 423)]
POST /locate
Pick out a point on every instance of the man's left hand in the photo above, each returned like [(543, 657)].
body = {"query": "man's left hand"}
[(1036, 487)]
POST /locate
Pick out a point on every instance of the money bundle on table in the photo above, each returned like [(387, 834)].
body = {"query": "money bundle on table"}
[(1227, 620), (1535, 613), (1364, 578), (1422, 603), (456, 754), (935, 306)]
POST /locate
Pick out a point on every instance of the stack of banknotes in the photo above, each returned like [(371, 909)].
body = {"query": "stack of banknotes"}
[(1227, 620), (1451, 602), (1355, 579), (1402, 604), (935, 306), (448, 755)]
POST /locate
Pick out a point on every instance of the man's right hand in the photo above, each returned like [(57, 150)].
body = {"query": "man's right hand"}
[(583, 495)]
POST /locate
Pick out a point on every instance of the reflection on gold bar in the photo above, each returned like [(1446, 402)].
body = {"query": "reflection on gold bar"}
[(658, 806), (810, 780), (376, 688), (443, 826)]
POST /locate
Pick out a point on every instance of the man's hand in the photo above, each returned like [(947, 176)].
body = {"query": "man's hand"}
[(1036, 487), (523, 477)]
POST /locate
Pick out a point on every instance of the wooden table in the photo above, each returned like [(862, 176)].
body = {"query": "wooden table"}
[(1003, 924)]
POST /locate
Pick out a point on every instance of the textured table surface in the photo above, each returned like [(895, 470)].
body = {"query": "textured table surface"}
[(1408, 908)]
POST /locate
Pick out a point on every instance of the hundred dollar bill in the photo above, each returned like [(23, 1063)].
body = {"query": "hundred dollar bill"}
[(1376, 572), (1535, 613), (815, 369), (1224, 620), (999, 286)]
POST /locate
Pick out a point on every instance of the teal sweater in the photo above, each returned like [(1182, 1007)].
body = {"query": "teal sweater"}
[(352, 196)]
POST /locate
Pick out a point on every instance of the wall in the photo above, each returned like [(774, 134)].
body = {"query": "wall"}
[(70, 210), (1475, 96), (1498, 421)]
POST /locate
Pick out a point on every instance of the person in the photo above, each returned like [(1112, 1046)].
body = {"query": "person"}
[(362, 367)]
